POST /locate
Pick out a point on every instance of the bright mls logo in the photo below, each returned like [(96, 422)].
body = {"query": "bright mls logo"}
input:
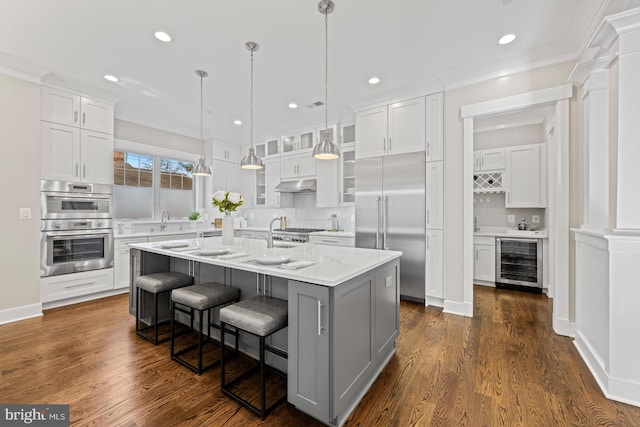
[(35, 415)]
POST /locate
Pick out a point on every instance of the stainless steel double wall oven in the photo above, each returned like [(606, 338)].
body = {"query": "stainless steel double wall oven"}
[(76, 226)]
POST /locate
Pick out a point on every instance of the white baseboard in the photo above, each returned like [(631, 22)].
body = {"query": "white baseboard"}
[(563, 327), (459, 308), (434, 301), (20, 313), (613, 388)]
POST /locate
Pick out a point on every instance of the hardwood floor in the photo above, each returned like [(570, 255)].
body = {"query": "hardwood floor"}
[(503, 367)]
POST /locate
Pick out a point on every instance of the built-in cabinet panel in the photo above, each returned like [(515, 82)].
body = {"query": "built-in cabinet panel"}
[(224, 176), (434, 108), (522, 177), (327, 183), (272, 177), (484, 267), (435, 264), (72, 109), (247, 186), (226, 152), (122, 261), (56, 288), (493, 159), (76, 135), (406, 127), (434, 195), (371, 132), (298, 166)]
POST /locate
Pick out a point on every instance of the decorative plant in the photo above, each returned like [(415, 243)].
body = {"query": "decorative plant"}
[(194, 216), (227, 202)]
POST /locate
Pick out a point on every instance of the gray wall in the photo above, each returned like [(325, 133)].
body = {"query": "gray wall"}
[(20, 249)]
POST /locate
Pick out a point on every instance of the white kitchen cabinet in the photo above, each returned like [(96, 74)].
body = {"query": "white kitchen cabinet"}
[(394, 129), (336, 240), (371, 132), (298, 166), (299, 142), (122, 261), (225, 151), (434, 107), (71, 109), (274, 199), (434, 266), (348, 177), (347, 134), (434, 199), (328, 183), (224, 176), (71, 154), (484, 267), (247, 186), (523, 185), (268, 148), (484, 160), (64, 286)]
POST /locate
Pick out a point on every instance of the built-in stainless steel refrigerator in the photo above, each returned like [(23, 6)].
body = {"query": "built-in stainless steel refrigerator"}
[(390, 214)]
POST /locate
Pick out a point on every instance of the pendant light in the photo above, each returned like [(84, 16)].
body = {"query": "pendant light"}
[(251, 161), (201, 169), (326, 149)]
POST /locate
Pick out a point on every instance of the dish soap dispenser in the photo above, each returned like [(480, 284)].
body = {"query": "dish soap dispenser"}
[(523, 225)]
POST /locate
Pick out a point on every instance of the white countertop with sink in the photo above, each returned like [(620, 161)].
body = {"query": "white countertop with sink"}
[(510, 232)]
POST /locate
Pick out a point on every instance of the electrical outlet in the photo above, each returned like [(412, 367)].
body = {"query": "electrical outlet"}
[(535, 219), (25, 213), (511, 219)]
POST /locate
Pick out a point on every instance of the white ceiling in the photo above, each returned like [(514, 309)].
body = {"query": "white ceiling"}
[(412, 45)]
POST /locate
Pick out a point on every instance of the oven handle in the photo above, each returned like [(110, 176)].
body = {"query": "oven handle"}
[(92, 233), (78, 196), (518, 239)]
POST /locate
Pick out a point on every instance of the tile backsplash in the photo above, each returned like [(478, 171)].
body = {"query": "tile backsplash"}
[(491, 212)]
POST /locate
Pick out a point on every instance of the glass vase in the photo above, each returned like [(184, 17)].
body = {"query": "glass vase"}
[(227, 229)]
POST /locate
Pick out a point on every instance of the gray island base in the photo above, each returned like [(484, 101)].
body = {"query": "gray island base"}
[(343, 312)]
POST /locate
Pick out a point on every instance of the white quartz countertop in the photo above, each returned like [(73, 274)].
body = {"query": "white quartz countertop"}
[(345, 234), (332, 266), (181, 232), (510, 232)]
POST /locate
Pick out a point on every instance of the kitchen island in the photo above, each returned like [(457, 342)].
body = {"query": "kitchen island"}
[(343, 310)]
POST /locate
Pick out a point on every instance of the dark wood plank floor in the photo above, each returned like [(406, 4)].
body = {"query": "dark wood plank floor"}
[(503, 367)]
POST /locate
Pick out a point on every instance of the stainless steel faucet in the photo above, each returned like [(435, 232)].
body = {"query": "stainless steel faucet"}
[(164, 220), (269, 236)]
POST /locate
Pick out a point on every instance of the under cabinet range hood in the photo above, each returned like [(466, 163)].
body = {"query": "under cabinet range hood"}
[(297, 186)]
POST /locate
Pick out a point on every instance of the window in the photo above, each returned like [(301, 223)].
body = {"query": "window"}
[(144, 182)]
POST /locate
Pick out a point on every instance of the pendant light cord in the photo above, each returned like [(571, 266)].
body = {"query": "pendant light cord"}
[(326, 70), (201, 107), (251, 114)]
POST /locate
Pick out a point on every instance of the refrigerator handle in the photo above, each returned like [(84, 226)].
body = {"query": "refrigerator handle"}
[(384, 222), (378, 223)]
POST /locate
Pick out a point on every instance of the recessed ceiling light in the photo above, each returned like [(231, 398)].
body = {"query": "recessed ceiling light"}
[(507, 38), (374, 80), (111, 78), (237, 122), (162, 36), (293, 105)]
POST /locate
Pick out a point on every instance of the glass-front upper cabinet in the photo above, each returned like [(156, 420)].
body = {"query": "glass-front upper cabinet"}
[(299, 142), (333, 131), (261, 187), (348, 184), (269, 148), (348, 134)]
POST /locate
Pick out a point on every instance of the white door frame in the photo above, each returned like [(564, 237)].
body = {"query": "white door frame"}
[(558, 192)]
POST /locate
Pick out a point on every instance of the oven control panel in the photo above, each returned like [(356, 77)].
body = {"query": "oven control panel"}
[(75, 224)]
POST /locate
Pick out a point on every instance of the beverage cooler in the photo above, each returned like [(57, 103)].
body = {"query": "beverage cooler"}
[(519, 263)]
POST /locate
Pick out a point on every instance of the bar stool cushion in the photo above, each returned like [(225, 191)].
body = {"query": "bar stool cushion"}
[(161, 282), (258, 315), (205, 295)]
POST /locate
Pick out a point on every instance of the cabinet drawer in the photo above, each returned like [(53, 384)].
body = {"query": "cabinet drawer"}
[(57, 288), (124, 243), (332, 241), (484, 240)]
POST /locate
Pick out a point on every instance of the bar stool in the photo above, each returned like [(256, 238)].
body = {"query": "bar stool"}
[(202, 297), (260, 316), (157, 284)]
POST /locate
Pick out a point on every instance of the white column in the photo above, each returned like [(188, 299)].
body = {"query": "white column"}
[(627, 67), (596, 150)]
